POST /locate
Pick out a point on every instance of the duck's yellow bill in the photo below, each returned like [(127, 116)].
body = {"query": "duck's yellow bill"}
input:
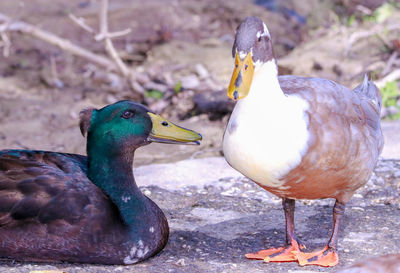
[(241, 78), (165, 131)]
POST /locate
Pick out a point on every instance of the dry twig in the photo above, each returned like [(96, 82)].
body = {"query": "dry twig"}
[(114, 64), (390, 62), (80, 22), (6, 44), (392, 76), (365, 34), (104, 34), (64, 44)]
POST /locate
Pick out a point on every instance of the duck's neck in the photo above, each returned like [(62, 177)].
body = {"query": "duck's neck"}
[(265, 75), (114, 175)]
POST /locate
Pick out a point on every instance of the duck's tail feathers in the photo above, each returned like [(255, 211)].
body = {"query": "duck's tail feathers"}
[(370, 91)]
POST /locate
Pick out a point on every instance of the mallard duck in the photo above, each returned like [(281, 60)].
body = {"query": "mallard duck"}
[(298, 137), (68, 207)]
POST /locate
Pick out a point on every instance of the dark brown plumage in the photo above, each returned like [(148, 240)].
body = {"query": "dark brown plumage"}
[(51, 211), (67, 207)]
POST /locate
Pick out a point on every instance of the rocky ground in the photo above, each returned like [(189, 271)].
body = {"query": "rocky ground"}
[(216, 216)]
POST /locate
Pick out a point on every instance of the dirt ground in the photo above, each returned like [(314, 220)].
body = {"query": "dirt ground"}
[(42, 88)]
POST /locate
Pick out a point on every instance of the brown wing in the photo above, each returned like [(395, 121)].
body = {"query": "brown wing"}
[(51, 211), (333, 105), (345, 138), (43, 186)]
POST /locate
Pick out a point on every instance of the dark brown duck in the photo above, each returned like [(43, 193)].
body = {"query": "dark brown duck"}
[(67, 207)]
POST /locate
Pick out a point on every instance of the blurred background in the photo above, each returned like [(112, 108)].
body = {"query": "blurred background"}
[(176, 58)]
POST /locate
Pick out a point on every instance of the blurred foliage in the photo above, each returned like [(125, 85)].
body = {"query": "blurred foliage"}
[(390, 95), (351, 20), (382, 13), (155, 94), (178, 87), (349, 14)]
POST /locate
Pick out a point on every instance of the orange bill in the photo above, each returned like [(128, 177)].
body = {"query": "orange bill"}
[(241, 78)]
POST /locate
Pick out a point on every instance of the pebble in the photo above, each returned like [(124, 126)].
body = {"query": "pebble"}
[(180, 262), (357, 195), (190, 82), (73, 115), (201, 71)]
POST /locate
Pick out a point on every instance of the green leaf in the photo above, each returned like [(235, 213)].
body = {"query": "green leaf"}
[(178, 87), (383, 12), (155, 94), (390, 92), (351, 20)]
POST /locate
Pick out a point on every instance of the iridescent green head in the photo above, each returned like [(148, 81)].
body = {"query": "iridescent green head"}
[(128, 125)]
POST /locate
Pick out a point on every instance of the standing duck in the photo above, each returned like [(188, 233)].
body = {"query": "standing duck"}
[(298, 137), (68, 207)]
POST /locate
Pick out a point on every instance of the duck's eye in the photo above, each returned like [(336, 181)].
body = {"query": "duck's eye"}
[(164, 123), (127, 114)]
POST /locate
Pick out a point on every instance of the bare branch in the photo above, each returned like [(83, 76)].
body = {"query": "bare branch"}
[(103, 21), (390, 63), (81, 22), (136, 86), (364, 34), (114, 64), (364, 9), (119, 33), (103, 17), (394, 75), (6, 44), (64, 44), (111, 35)]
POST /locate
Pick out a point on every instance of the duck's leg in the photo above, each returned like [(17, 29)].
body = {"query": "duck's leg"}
[(282, 254), (328, 255)]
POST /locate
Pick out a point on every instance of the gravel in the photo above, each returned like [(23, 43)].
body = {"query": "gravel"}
[(214, 222)]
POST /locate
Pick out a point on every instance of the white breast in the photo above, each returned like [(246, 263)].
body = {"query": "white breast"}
[(267, 134)]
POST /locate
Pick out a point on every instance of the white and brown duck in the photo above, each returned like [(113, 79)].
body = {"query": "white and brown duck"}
[(298, 137)]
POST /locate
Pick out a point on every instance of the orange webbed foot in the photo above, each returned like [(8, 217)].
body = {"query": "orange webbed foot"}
[(326, 257), (281, 254)]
